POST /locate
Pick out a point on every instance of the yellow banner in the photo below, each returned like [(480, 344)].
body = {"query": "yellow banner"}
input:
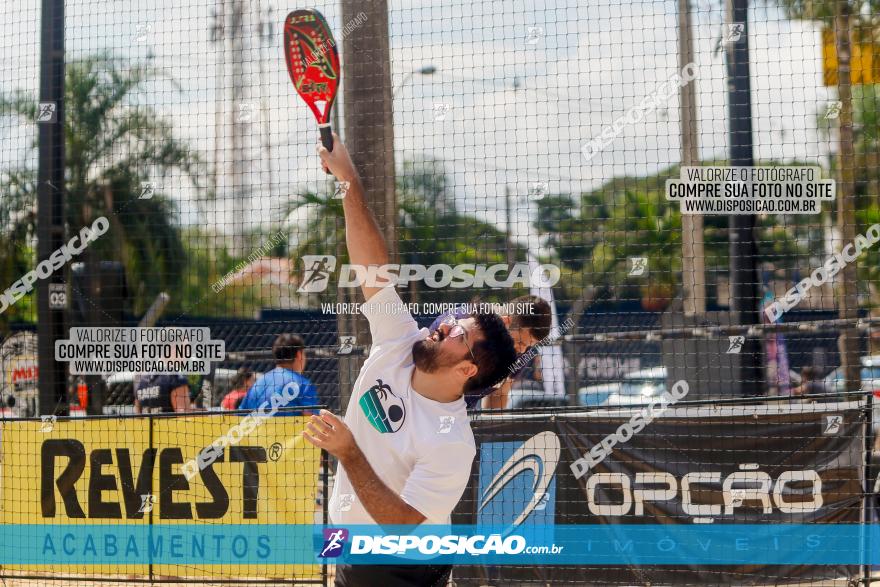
[(105, 472)]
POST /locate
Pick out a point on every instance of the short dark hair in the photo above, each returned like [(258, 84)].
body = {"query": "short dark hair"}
[(287, 346), (536, 317), (495, 353), (241, 377), (810, 373)]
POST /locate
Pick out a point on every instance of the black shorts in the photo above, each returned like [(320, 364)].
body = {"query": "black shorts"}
[(392, 576)]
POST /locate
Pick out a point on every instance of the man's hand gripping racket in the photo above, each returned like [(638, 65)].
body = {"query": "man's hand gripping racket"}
[(313, 65)]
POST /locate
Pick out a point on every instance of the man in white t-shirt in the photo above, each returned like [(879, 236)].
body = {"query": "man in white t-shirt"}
[(405, 447)]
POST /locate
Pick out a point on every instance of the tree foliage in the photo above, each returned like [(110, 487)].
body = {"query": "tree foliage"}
[(114, 149)]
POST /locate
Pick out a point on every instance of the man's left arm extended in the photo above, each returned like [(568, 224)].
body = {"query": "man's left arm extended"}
[(384, 505)]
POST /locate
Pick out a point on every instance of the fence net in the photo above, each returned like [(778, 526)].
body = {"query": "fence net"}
[(688, 189)]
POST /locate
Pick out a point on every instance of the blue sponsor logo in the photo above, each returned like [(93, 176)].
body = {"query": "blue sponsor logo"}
[(518, 481)]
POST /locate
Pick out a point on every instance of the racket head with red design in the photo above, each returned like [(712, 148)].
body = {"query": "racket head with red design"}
[(313, 64)]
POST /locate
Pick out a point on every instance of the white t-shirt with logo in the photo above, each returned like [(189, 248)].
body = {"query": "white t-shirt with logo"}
[(421, 449)]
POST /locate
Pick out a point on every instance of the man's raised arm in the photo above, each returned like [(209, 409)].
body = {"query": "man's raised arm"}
[(366, 245)]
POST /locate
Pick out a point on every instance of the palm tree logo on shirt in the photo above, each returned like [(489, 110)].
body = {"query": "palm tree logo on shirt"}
[(384, 410)]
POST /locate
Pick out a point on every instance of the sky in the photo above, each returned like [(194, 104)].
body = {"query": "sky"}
[(520, 87)]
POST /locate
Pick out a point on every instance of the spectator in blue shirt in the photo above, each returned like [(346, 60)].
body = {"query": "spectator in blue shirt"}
[(290, 361)]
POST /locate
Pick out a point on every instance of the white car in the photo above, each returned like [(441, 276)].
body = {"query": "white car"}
[(870, 382), (636, 387), (531, 394)]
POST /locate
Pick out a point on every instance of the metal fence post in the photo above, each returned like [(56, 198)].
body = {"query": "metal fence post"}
[(152, 492), (50, 208)]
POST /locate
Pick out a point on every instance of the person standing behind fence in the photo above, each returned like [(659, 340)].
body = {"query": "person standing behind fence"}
[(244, 380), (290, 362), (158, 393)]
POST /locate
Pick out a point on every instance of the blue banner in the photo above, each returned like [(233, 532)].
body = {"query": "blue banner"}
[(625, 544)]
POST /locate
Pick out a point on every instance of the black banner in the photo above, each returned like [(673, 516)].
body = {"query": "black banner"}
[(727, 465)]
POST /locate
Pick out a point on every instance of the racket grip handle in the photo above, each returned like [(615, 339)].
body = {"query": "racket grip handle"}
[(327, 137)]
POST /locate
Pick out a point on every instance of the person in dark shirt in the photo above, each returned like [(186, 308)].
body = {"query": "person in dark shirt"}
[(290, 360), (159, 393)]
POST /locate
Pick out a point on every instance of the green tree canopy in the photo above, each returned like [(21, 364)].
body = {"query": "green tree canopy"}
[(594, 235), (114, 149)]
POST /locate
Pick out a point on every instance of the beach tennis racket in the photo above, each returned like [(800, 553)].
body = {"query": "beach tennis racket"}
[(313, 65)]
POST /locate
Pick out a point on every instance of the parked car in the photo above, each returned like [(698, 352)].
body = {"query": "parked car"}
[(870, 376), (870, 382), (636, 387), (531, 394)]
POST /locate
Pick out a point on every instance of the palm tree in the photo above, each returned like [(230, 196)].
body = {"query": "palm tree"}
[(114, 149), (643, 225), (18, 223)]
